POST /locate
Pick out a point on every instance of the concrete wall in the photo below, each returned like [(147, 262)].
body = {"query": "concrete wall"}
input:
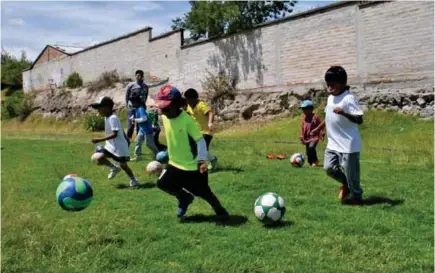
[(377, 43)]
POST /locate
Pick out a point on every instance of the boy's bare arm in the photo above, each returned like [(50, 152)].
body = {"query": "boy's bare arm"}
[(210, 120), (358, 119), (111, 136)]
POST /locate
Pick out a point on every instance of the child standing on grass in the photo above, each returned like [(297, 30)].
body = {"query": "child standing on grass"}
[(186, 175), (116, 146), (343, 115), (204, 117), (311, 131), (144, 124), (154, 117)]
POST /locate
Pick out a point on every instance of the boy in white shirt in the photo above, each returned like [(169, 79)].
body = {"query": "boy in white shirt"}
[(116, 142), (343, 115)]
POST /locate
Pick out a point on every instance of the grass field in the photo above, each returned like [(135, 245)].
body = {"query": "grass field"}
[(135, 230)]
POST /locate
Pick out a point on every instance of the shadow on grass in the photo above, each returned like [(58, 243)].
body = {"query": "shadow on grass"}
[(280, 224), (377, 200), (226, 169), (233, 220), (147, 185)]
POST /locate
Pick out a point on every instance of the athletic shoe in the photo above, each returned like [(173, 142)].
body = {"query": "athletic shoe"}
[(270, 156), (352, 199), (183, 205), (113, 172), (281, 157), (134, 182)]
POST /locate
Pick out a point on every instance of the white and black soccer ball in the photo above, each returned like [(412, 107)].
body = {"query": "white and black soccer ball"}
[(269, 208), (297, 160), (154, 167)]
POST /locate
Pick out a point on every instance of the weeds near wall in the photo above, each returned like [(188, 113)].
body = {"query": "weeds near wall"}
[(93, 122), (74, 80), (18, 105), (219, 88), (106, 80)]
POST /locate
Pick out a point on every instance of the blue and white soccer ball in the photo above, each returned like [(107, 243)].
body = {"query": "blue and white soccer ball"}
[(162, 157), (74, 194), (269, 208), (297, 160)]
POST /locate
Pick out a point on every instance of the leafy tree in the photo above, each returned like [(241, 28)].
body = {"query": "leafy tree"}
[(12, 68), (214, 18)]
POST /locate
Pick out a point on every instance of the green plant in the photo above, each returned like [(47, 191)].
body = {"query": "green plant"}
[(219, 88), (18, 105), (93, 122), (106, 80), (74, 80)]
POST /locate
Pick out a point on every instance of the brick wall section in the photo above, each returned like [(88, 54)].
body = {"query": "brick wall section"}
[(376, 42), (50, 54), (397, 41)]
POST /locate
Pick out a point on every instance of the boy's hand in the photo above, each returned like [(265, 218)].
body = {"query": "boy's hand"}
[(338, 110), (211, 126), (202, 166), (95, 140)]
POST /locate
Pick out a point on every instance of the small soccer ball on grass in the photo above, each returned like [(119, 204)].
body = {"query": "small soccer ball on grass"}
[(162, 157), (297, 160), (269, 208), (71, 175), (74, 194), (154, 167)]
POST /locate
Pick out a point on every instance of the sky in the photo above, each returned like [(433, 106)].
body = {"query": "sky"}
[(31, 25)]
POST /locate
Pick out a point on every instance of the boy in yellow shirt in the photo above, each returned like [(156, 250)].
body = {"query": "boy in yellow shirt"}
[(186, 175), (204, 117)]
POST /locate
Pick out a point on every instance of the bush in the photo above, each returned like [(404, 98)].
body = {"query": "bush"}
[(106, 80), (74, 80), (18, 105), (219, 88), (93, 122)]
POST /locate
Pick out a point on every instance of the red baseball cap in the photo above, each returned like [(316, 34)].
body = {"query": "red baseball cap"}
[(166, 95)]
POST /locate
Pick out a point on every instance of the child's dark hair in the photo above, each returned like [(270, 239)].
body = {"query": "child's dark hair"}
[(191, 94), (140, 72), (336, 74)]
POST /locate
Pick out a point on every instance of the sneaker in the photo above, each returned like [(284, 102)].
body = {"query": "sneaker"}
[(352, 199), (270, 156), (213, 164), (113, 172), (183, 205), (343, 192), (222, 215), (134, 182)]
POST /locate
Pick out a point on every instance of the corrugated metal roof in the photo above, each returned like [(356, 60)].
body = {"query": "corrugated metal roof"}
[(68, 49)]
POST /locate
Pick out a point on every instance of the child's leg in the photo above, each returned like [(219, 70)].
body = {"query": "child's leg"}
[(332, 166), (127, 170), (169, 183), (101, 159), (208, 139), (149, 140), (138, 145), (351, 166), (160, 146), (311, 152), (130, 123)]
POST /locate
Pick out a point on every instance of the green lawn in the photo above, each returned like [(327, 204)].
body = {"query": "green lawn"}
[(135, 230)]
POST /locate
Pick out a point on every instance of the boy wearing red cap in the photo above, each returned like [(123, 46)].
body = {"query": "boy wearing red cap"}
[(186, 175)]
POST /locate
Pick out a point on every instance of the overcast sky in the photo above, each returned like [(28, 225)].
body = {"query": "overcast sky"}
[(30, 26)]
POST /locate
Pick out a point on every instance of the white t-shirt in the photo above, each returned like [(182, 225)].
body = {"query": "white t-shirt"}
[(343, 135), (118, 146)]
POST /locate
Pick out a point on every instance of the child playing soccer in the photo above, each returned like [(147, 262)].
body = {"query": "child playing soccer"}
[(145, 130), (186, 175), (116, 146), (343, 115), (311, 131), (154, 117), (203, 116)]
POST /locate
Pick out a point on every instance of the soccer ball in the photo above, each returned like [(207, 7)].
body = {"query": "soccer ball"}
[(71, 175), (162, 157), (297, 160), (74, 194), (154, 167), (269, 208)]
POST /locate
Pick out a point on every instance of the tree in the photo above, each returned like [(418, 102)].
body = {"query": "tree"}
[(12, 69), (214, 18)]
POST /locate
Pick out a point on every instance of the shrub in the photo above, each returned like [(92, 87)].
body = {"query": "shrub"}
[(106, 80), (18, 105), (219, 88), (74, 80), (93, 122)]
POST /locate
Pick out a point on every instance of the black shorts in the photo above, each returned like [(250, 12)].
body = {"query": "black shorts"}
[(121, 159), (174, 179)]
